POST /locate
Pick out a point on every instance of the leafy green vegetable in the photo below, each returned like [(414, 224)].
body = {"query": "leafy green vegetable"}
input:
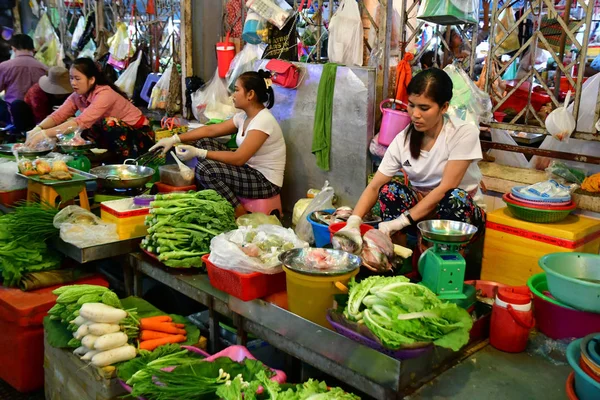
[(147, 361), (181, 226), (401, 313)]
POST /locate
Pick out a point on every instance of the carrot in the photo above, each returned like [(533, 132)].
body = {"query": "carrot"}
[(180, 326), (152, 344), (161, 327), (151, 335), (160, 318)]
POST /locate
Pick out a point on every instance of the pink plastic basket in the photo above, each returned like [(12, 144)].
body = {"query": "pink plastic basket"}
[(402, 354)]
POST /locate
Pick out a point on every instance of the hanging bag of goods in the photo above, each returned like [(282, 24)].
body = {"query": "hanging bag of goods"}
[(282, 43), (277, 12), (346, 35), (449, 12)]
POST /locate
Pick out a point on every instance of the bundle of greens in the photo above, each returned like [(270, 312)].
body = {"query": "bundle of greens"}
[(181, 226), (22, 246), (401, 313)]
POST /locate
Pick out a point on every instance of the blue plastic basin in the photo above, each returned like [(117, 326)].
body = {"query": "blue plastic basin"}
[(585, 387), (574, 279), (320, 231)]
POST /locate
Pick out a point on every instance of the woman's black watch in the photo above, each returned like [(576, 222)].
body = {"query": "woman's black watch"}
[(410, 219)]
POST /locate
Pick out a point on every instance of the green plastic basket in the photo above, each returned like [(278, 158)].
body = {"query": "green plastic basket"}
[(536, 215)]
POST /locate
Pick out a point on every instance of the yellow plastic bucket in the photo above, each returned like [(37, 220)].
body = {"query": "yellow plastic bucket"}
[(310, 296)]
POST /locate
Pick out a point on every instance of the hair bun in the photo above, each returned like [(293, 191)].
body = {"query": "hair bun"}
[(264, 74)]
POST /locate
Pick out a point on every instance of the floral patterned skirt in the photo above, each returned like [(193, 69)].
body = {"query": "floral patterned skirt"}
[(122, 140), (457, 205)]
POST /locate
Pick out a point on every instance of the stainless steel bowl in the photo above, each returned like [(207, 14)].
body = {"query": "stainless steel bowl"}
[(447, 231), (7, 149), (67, 148), (121, 176), (296, 260)]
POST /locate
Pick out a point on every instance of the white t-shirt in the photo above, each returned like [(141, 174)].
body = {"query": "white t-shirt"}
[(458, 140), (269, 160)]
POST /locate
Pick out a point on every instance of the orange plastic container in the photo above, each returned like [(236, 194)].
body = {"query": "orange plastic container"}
[(164, 188), (9, 198), (22, 337)]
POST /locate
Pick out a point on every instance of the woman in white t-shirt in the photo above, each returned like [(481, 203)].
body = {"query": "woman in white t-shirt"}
[(438, 155), (255, 170)]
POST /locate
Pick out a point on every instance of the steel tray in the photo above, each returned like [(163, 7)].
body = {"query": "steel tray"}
[(78, 176)]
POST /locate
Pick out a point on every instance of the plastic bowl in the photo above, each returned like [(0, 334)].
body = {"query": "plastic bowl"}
[(586, 388), (537, 215), (556, 320), (320, 231), (574, 279), (570, 389), (334, 228)]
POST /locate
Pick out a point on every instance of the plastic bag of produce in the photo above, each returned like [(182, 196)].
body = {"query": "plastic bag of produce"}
[(160, 92), (468, 103), (83, 229), (212, 101), (249, 250), (120, 46), (322, 201), (559, 169), (243, 62), (254, 220), (126, 81), (44, 32), (560, 123)]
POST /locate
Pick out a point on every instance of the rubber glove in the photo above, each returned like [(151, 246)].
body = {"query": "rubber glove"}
[(393, 226), (166, 143), (186, 152), (35, 137), (33, 131), (353, 222)]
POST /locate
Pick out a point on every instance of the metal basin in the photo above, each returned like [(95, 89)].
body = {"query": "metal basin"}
[(441, 230), (299, 260), (67, 148), (7, 149), (121, 176)]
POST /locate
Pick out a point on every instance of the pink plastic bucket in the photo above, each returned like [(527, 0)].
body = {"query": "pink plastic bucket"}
[(392, 123)]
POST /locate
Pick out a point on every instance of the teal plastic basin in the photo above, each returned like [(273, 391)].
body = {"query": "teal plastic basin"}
[(585, 386), (574, 279)]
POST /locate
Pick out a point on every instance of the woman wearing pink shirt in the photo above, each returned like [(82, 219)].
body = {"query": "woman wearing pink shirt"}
[(107, 116)]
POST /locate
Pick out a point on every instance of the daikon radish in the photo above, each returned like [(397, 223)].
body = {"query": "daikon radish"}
[(82, 331), (88, 356), (110, 341), (123, 353), (402, 251), (89, 341), (79, 321), (81, 350), (100, 329), (99, 312)]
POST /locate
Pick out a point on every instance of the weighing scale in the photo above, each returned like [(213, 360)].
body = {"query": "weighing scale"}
[(80, 161), (442, 266)]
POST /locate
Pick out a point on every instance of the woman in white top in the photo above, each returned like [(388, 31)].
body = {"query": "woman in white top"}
[(439, 156), (255, 170)]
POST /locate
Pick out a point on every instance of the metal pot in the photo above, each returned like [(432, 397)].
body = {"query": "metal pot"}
[(122, 176)]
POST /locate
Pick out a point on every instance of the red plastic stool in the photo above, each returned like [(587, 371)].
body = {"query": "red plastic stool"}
[(266, 206)]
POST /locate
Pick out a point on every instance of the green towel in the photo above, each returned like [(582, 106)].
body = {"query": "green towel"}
[(321, 144)]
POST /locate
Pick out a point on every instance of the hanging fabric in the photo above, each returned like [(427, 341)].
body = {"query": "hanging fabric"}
[(403, 77), (321, 145)]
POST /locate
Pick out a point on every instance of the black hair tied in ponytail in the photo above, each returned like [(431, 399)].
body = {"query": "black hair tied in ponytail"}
[(434, 84), (260, 83)]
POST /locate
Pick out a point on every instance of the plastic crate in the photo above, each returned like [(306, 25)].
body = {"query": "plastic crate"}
[(130, 222), (245, 287), (518, 100)]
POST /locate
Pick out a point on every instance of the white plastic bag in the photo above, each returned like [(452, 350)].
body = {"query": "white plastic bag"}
[(243, 62), (160, 91), (346, 35), (587, 109), (322, 201), (249, 250), (9, 180), (126, 81), (468, 103), (277, 12), (560, 122), (120, 46), (507, 157), (212, 101), (78, 32), (83, 229), (89, 50)]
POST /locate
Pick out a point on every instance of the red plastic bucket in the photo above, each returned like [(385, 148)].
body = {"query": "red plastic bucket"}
[(333, 228), (392, 123), (225, 55), (512, 319)]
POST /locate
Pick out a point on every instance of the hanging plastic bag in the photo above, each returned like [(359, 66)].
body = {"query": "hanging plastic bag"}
[(212, 101), (44, 32), (252, 25), (509, 158), (507, 19), (89, 50), (35, 8), (83, 229), (322, 201), (345, 44), (254, 220), (78, 32), (587, 109), (449, 12), (560, 122), (126, 81), (468, 103), (160, 92), (243, 62), (120, 47), (277, 12), (51, 53), (249, 250)]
